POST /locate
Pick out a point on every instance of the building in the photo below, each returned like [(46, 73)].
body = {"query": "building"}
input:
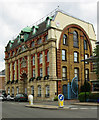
[(2, 81), (44, 58)]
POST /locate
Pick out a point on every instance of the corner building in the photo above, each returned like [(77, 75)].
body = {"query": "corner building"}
[(44, 58)]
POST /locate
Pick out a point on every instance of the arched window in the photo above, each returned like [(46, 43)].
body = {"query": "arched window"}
[(85, 45), (47, 91), (75, 39), (39, 91), (86, 56), (76, 72), (40, 58), (64, 39)]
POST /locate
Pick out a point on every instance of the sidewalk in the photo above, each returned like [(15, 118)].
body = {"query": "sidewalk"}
[(54, 105)]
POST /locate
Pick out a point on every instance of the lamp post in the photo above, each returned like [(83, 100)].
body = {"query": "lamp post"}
[(84, 71)]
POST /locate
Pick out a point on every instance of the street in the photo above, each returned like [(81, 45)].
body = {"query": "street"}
[(18, 110)]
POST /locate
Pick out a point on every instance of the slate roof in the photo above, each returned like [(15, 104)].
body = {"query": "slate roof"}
[(42, 28)]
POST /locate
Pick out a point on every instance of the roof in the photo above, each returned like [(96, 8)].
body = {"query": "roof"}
[(2, 72), (41, 28)]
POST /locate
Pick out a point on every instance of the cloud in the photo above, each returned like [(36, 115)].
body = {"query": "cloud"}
[(17, 14)]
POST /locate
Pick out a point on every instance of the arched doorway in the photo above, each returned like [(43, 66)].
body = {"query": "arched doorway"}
[(24, 77), (65, 92)]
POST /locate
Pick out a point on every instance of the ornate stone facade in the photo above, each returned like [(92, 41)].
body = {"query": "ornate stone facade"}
[(35, 61)]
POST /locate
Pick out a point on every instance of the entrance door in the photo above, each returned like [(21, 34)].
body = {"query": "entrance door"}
[(65, 92), (24, 83)]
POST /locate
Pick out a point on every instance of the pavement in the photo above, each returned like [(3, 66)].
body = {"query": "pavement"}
[(54, 105)]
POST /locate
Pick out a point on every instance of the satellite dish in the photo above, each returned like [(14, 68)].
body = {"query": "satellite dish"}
[(74, 85)]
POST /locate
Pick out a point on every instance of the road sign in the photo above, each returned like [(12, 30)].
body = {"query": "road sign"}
[(61, 100)]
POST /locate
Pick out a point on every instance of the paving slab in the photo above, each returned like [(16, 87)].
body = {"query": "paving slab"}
[(47, 107), (86, 104)]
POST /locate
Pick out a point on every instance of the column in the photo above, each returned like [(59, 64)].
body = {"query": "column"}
[(36, 66), (43, 67), (52, 61), (15, 70), (11, 71)]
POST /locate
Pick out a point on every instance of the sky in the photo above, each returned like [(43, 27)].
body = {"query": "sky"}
[(17, 14)]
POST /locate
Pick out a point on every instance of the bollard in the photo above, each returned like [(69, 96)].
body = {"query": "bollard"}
[(61, 100), (30, 98)]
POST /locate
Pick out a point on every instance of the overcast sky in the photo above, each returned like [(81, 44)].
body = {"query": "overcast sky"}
[(17, 14)]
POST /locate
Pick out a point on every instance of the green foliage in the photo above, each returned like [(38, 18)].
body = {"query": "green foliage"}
[(89, 95), (81, 96), (86, 87), (56, 98)]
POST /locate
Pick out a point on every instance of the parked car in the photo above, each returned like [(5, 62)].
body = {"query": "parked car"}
[(21, 97), (2, 97), (10, 98)]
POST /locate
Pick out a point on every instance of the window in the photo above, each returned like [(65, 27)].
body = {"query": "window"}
[(33, 60), (76, 57), (14, 76), (87, 74), (85, 45), (13, 53), (46, 37), (33, 73), (48, 56), (17, 90), (76, 72), (64, 39), (32, 44), (86, 56), (14, 66), (47, 91), (8, 91), (75, 38), (23, 48), (39, 41), (41, 73), (34, 30), (40, 58), (32, 90), (47, 70), (12, 90), (64, 73), (39, 91), (63, 54)]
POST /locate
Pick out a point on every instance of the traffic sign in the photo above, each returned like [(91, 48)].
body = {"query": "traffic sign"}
[(61, 100)]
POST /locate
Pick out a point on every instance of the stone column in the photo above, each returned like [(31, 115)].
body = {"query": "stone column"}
[(15, 70), (11, 71), (36, 66), (43, 67), (52, 60), (29, 73)]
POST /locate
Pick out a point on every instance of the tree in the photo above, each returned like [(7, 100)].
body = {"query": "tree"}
[(86, 87)]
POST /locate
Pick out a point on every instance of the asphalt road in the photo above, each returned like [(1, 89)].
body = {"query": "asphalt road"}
[(18, 110)]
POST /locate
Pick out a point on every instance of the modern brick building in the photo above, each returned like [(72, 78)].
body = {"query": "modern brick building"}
[(44, 58)]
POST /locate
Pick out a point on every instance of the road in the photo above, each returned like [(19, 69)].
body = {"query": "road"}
[(18, 110)]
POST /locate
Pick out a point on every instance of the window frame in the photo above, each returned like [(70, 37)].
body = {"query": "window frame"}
[(39, 91), (64, 55), (64, 39), (76, 68), (64, 73), (76, 57), (75, 39)]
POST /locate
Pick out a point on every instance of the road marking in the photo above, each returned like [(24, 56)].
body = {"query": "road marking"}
[(93, 108), (74, 108), (84, 108)]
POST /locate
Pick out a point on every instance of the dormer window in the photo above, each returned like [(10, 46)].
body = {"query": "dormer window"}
[(35, 28), (10, 43), (22, 36), (48, 21), (32, 44)]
